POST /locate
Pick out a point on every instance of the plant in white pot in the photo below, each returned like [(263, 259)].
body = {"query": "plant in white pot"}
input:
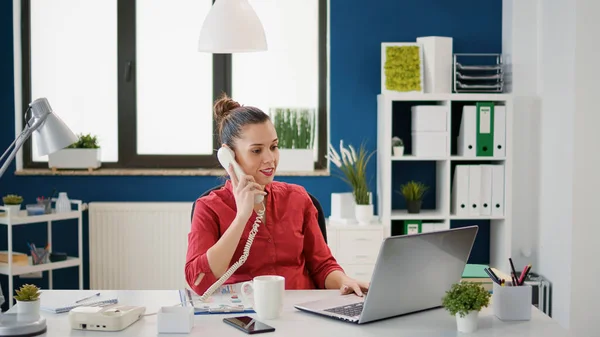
[(13, 202), (28, 299), (397, 146), (464, 301), (354, 169), (83, 154), (296, 135)]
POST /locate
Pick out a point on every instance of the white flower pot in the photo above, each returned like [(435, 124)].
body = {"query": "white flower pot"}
[(468, 323), (297, 160), (14, 209), (364, 214), (398, 150), (28, 307), (75, 159)]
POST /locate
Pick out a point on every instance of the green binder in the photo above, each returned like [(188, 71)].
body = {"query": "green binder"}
[(485, 129), (413, 226)]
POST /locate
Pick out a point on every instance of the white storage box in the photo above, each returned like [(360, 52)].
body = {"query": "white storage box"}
[(429, 118), (429, 144), (437, 54)]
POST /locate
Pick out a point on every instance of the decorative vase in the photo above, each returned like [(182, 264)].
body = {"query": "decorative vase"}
[(414, 206), (468, 323), (28, 307), (364, 214), (398, 150), (14, 209), (62, 203)]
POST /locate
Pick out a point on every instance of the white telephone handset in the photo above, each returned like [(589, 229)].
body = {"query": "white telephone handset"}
[(227, 156)]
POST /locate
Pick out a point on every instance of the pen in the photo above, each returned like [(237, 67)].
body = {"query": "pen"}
[(492, 275), (514, 272), (87, 298), (524, 274)]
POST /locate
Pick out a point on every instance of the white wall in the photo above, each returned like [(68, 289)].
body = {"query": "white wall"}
[(585, 270), (553, 50), (557, 94)]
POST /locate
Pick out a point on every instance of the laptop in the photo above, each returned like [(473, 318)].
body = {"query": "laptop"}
[(412, 274)]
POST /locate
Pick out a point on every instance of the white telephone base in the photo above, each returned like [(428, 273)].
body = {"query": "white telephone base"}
[(113, 318)]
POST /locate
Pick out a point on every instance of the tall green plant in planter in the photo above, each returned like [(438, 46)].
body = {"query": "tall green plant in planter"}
[(353, 167), (295, 129), (413, 193)]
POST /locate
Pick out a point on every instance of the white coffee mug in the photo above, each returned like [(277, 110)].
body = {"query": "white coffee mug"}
[(268, 295)]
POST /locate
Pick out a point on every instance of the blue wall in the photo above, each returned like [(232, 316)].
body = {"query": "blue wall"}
[(357, 29)]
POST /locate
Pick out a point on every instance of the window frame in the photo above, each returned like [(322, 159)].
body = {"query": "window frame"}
[(128, 158)]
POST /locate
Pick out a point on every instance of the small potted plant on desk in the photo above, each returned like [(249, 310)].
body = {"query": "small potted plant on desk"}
[(13, 202), (28, 299), (464, 301), (397, 146), (413, 193)]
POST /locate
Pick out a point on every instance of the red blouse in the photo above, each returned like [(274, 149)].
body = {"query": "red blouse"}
[(289, 243)]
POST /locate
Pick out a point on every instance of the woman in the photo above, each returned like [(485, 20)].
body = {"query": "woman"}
[(288, 242)]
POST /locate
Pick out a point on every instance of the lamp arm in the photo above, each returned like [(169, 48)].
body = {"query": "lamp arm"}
[(19, 141)]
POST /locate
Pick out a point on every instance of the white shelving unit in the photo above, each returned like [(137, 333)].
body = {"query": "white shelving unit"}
[(11, 269), (500, 226)]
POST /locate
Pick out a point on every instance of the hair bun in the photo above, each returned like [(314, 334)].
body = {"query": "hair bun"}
[(223, 107)]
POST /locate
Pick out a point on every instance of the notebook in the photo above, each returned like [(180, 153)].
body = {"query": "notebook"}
[(58, 302)]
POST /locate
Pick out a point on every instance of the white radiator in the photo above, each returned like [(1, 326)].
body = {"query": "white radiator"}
[(138, 245)]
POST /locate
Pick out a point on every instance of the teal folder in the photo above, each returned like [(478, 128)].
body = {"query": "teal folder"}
[(475, 271), (485, 129)]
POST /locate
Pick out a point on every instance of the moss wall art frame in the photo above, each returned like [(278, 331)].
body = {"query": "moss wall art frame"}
[(402, 67)]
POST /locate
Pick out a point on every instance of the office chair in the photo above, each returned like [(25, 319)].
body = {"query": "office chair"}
[(320, 215)]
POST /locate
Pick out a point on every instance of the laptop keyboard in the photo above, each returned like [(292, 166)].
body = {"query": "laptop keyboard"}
[(347, 310)]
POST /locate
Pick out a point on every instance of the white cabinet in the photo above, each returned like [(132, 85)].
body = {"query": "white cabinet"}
[(355, 248), (12, 269)]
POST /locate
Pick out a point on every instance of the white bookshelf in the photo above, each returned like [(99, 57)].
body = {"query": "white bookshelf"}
[(500, 225), (14, 269)]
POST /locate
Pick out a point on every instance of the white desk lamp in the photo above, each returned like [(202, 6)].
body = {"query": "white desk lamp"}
[(53, 135), (232, 26)]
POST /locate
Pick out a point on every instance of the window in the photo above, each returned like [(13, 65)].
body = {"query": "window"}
[(130, 73)]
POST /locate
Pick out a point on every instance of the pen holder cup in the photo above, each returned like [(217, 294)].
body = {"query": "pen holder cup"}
[(46, 203), (512, 303), (175, 319), (41, 256)]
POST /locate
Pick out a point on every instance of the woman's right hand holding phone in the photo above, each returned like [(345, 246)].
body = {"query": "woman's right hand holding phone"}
[(244, 191)]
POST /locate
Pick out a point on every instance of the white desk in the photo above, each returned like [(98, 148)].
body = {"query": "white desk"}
[(437, 322)]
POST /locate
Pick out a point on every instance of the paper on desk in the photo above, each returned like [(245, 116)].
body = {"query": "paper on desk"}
[(226, 299)]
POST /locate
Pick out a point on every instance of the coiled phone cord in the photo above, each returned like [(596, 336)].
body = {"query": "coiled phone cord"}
[(241, 261)]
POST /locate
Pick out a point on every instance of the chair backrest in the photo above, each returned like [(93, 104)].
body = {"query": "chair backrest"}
[(320, 214)]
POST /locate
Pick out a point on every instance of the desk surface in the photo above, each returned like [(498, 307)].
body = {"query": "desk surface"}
[(292, 323)]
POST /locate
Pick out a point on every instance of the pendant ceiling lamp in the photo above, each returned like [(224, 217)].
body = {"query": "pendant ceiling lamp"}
[(232, 26)]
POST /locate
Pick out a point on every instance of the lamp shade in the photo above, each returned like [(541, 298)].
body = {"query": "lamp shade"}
[(232, 26), (53, 133)]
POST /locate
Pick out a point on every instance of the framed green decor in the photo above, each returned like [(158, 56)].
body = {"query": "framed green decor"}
[(402, 67)]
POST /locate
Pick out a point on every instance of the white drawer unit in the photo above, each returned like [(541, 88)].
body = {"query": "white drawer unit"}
[(355, 248)]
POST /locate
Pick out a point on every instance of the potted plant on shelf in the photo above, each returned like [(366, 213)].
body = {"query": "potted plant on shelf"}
[(13, 202), (413, 193), (354, 169), (28, 299), (296, 133), (397, 146), (83, 154), (464, 301)]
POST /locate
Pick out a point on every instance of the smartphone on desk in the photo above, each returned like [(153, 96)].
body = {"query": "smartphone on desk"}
[(248, 324)]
